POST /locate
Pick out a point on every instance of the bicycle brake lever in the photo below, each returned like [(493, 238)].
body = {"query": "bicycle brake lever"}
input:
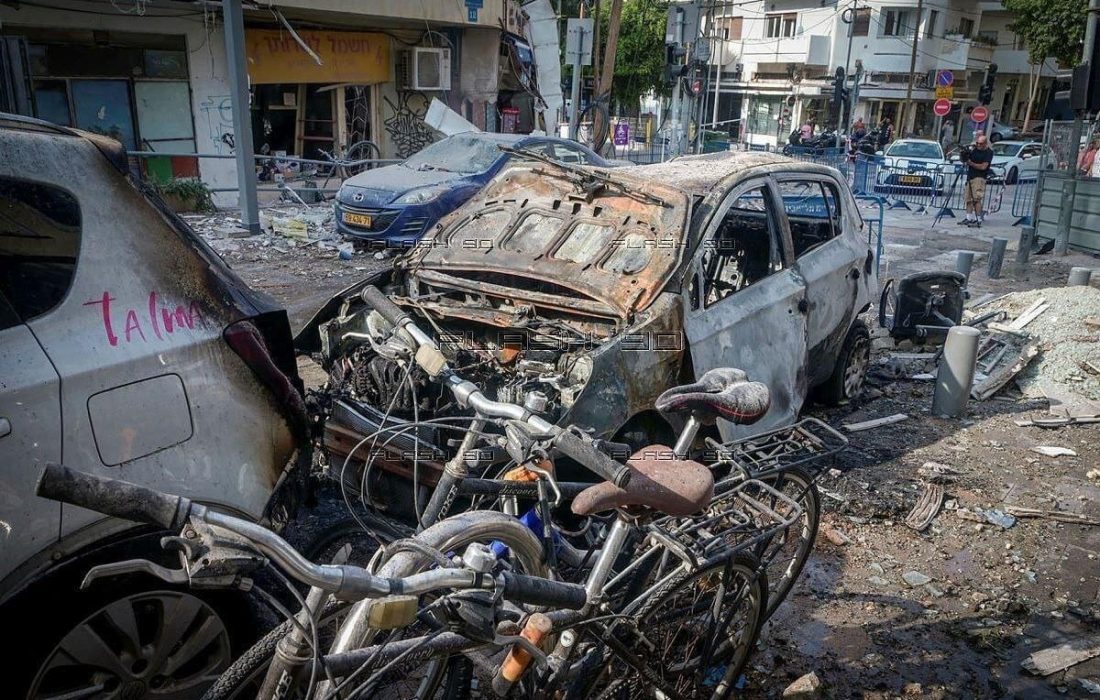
[(132, 566), (537, 655)]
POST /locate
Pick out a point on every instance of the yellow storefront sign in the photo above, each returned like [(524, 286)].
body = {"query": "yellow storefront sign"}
[(945, 93), (274, 56)]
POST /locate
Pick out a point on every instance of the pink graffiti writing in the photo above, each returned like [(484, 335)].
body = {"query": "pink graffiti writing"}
[(159, 319)]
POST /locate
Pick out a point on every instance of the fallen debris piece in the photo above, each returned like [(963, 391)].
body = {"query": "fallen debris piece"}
[(1092, 474), (1052, 451), (1092, 686), (998, 517), (937, 473), (1030, 314), (969, 515), (834, 535), (1009, 361), (927, 508), (1057, 422), (915, 578), (1058, 515), (877, 422), (1053, 659), (808, 686)]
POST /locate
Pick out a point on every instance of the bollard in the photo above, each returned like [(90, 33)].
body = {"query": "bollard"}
[(1079, 277), (1027, 239), (956, 371), (997, 257), (963, 263)]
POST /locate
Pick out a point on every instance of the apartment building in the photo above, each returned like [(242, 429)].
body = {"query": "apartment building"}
[(156, 76), (777, 58)]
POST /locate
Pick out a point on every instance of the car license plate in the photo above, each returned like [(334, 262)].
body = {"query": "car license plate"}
[(354, 219), (911, 179)]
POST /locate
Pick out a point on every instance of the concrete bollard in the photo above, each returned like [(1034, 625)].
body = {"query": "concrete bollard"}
[(956, 371), (997, 257), (1027, 239), (964, 262), (1079, 277)]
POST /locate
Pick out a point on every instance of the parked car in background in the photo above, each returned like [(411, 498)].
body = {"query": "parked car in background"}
[(393, 206), (599, 289), (1019, 160), (128, 349), (911, 165), (997, 132)]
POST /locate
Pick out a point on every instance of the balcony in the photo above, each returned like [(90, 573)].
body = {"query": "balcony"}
[(807, 50)]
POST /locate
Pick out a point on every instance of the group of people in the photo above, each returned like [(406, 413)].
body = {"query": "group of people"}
[(1088, 165), (882, 136)]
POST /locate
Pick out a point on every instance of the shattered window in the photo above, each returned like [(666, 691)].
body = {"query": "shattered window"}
[(812, 213), (39, 242), (631, 253), (585, 242), (534, 233), (744, 249)]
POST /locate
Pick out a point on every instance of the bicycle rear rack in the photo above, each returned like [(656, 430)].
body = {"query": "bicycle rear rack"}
[(749, 513), (807, 442)]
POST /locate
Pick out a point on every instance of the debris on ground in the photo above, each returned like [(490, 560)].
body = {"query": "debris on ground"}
[(1053, 451), (926, 509), (875, 423), (999, 517), (1047, 661), (807, 686), (1058, 515)]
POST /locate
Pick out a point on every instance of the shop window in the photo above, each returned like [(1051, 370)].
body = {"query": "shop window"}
[(744, 249), (103, 107), (39, 242), (51, 102), (165, 64), (812, 213)]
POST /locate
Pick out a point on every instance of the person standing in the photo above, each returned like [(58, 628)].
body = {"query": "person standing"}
[(885, 132), (807, 131), (947, 134), (978, 158), (1087, 159)]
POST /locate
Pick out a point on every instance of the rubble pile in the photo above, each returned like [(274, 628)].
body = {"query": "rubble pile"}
[(1069, 344)]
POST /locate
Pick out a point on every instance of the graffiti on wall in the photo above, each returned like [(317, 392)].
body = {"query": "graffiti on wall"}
[(218, 110), (406, 126)]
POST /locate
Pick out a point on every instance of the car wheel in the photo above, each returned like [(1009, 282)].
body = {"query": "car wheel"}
[(846, 381), (995, 137), (1012, 176)]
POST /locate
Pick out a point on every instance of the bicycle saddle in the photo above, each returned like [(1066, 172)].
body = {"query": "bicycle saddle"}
[(723, 392), (662, 482)]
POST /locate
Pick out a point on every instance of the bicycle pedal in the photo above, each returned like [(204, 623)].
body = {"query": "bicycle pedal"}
[(393, 612)]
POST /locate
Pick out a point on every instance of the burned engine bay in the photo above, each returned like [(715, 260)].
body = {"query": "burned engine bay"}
[(514, 350)]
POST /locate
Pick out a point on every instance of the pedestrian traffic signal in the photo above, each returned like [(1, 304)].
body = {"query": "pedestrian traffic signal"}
[(985, 92)]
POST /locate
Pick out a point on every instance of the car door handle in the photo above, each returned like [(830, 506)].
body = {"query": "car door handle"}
[(5, 427)]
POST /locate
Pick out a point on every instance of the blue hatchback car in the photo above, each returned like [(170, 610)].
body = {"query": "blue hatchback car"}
[(393, 206)]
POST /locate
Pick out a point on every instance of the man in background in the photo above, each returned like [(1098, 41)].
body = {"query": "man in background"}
[(977, 158)]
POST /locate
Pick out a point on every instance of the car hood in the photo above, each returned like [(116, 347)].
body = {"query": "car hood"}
[(557, 238), (382, 185), (904, 162)]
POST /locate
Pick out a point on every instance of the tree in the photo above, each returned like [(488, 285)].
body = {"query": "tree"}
[(1052, 30), (640, 56)]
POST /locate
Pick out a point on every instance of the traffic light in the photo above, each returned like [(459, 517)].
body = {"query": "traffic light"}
[(840, 94), (985, 92), (674, 63)]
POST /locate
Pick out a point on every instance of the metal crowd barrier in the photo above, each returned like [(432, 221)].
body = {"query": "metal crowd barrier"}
[(872, 210), (1023, 202), (953, 196), (915, 186)]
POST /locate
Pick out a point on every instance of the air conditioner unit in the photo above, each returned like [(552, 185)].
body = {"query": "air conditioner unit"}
[(424, 69)]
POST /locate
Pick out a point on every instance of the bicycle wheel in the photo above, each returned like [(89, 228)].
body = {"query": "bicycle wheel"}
[(447, 676), (694, 633), (784, 556), (358, 151)]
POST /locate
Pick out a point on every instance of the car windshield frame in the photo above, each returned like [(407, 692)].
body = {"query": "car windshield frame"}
[(931, 146), (999, 149), (464, 154)]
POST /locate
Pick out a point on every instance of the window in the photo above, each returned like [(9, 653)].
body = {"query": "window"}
[(1018, 43), (986, 36), (763, 112), (966, 26), (861, 23), (898, 23), (744, 250), (567, 154), (776, 26), (39, 242), (933, 20), (812, 212)]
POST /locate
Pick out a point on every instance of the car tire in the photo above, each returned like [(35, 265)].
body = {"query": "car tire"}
[(995, 137), (58, 620), (1012, 176), (846, 381)]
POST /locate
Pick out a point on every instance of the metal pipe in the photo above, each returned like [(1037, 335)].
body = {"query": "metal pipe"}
[(997, 257), (1079, 277), (687, 437), (233, 19), (609, 552), (956, 371)]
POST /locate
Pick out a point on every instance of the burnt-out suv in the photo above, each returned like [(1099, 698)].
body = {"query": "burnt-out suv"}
[(129, 350), (587, 292)]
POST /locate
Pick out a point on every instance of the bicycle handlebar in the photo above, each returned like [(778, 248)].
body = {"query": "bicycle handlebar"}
[(114, 497), (469, 395)]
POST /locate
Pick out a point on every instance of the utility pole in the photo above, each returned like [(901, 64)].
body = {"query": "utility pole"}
[(233, 19), (578, 50), (846, 111), (908, 105), (601, 127), (1069, 188)]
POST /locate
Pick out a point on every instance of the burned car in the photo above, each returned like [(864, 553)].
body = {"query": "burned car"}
[(584, 293)]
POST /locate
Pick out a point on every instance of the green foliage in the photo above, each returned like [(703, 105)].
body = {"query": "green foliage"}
[(1052, 28), (188, 191), (639, 65)]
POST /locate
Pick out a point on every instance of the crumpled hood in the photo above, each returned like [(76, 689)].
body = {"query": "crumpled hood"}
[(381, 185)]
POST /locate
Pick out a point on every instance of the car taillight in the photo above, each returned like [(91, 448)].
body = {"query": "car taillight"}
[(247, 341)]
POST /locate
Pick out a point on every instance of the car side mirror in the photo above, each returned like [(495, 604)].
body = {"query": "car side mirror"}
[(878, 153), (1025, 156)]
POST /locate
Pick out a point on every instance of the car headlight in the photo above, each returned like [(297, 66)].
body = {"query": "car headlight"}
[(421, 194)]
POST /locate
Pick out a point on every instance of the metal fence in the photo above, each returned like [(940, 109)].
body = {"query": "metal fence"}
[(1069, 204), (872, 209), (1023, 202)]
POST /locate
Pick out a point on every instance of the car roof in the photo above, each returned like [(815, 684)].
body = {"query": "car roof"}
[(932, 141), (697, 173), (1016, 142)]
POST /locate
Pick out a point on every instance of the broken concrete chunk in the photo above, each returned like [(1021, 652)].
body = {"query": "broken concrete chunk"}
[(835, 536), (878, 581), (998, 517), (1052, 451), (1053, 659), (915, 578), (808, 686), (875, 423)]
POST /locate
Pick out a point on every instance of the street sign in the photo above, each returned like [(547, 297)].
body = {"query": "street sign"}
[(945, 78), (578, 41), (942, 108), (979, 114), (622, 134), (945, 93)]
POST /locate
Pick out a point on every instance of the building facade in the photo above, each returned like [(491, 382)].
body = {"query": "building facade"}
[(772, 64), (157, 79)]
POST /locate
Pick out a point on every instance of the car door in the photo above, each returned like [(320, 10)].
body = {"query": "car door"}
[(1029, 159), (38, 249), (828, 257), (744, 303)]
